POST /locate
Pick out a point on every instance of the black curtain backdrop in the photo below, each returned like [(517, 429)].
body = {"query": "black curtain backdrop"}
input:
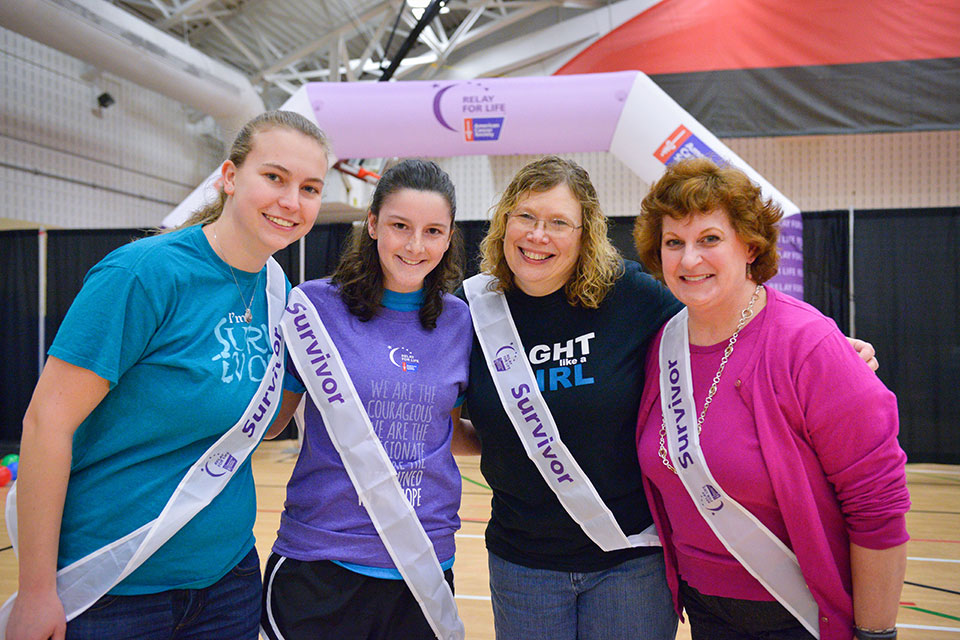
[(19, 349), (289, 260), (907, 286), (826, 248), (472, 232), (70, 254), (324, 246)]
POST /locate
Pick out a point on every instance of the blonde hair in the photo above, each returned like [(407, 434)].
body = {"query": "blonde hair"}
[(598, 264), (699, 185), (242, 146)]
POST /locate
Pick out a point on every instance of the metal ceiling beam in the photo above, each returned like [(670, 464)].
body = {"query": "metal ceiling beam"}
[(431, 12), (253, 35), (318, 44), (185, 9), (234, 40)]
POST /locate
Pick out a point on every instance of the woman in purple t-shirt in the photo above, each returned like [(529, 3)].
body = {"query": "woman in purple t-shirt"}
[(405, 343), (799, 432)]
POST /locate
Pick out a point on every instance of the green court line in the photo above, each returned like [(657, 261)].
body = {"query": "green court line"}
[(933, 613), (479, 484)]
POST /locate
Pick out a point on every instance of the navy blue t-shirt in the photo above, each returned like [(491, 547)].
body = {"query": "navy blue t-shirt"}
[(590, 368)]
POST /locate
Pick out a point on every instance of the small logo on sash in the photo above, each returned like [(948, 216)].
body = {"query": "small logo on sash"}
[(710, 498), (219, 464), (505, 357), (404, 359)]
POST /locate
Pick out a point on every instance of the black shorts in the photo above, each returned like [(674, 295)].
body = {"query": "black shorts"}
[(321, 599)]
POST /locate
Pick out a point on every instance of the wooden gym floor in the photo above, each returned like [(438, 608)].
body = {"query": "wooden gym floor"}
[(930, 603)]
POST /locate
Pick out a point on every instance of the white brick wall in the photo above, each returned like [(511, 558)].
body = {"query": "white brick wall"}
[(62, 166)]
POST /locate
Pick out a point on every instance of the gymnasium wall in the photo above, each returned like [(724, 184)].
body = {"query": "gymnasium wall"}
[(63, 165), (818, 173)]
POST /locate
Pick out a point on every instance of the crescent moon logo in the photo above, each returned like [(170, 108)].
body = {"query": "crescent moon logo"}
[(710, 496), (436, 107), (206, 467), (393, 354)]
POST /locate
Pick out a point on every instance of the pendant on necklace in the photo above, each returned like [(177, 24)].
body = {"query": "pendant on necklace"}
[(248, 316)]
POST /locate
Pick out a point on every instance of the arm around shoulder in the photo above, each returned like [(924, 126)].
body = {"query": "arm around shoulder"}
[(465, 441)]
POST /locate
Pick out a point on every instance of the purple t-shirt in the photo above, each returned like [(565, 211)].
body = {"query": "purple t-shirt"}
[(409, 379)]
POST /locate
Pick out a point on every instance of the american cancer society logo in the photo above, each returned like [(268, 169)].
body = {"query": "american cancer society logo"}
[(479, 129), (404, 359), (683, 145)]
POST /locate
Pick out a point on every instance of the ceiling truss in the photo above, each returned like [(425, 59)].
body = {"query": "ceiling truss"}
[(282, 44)]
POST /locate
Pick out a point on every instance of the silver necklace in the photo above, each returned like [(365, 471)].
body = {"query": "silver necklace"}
[(248, 315), (745, 315)]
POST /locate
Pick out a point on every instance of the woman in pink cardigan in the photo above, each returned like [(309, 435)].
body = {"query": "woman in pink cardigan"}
[(769, 449)]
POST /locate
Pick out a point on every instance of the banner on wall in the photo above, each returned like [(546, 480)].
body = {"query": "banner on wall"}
[(623, 113)]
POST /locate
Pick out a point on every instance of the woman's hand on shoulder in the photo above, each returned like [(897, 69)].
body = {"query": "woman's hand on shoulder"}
[(866, 352), (37, 616)]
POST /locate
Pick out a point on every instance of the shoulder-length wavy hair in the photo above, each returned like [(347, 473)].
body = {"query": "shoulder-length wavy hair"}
[(598, 265), (243, 144), (700, 185), (359, 274)]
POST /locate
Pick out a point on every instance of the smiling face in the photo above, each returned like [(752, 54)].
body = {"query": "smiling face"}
[(273, 198), (705, 262), (543, 262), (412, 233)]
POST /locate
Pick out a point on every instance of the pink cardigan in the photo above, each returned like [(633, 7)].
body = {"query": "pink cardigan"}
[(818, 408)]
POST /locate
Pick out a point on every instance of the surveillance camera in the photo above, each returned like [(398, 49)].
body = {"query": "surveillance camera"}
[(105, 100)]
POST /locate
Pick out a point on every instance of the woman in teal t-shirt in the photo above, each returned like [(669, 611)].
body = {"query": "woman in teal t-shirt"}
[(169, 346)]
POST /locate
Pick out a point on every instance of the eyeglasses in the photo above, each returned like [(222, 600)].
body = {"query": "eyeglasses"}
[(557, 227)]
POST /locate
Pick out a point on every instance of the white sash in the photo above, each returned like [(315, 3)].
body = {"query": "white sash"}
[(367, 464), (85, 581), (528, 412), (746, 538)]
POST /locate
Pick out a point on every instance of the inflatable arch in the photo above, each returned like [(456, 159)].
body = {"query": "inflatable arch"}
[(623, 113)]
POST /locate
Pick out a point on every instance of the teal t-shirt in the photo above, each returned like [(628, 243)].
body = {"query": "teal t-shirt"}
[(162, 320)]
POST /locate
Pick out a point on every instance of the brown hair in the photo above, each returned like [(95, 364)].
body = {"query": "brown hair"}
[(242, 146), (699, 185), (359, 274), (598, 265)]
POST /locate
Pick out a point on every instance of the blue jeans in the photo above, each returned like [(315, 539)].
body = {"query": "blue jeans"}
[(229, 608), (630, 601)]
